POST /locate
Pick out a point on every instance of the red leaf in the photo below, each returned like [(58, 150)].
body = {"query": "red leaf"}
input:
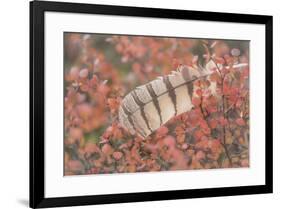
[(198, 135), (75, 165), (215, 77), (184, 146), (213, 123), (117, 155), (113, 104), (107, 149), (200, 155), (223, 121), (199, 92), (240, 122), (76, 133), (219, 60), (196, 101), (162, 131), (83, 73), (94, 81), (169, 141)]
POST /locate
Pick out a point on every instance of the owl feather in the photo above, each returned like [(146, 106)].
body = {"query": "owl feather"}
[(149, 106)]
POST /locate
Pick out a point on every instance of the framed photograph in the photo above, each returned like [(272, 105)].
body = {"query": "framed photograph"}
[(135, 104)]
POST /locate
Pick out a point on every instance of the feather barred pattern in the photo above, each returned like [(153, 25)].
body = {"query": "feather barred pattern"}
[(149, 106)]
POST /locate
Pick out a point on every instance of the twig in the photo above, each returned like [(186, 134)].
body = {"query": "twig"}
[(223, 142)]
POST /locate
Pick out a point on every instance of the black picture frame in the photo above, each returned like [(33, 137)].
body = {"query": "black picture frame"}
[(37, 195)]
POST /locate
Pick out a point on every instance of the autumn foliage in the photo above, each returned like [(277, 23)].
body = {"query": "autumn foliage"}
[(101, 69)]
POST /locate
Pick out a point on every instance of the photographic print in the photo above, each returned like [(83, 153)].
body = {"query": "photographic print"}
[(147, 104), (124, 98)]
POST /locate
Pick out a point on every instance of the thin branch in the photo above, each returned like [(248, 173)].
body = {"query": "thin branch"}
[(223, 142)]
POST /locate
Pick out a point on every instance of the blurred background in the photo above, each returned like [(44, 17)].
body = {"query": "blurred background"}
[(101, 69)]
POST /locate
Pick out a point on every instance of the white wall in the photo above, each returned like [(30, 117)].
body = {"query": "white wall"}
[(14, 77)]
